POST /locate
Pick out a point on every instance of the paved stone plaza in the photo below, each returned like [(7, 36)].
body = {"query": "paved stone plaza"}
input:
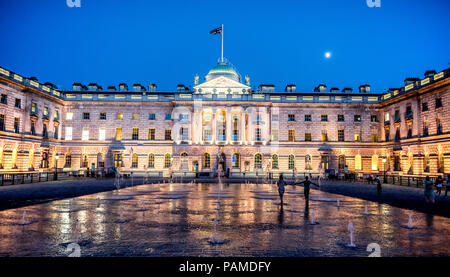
[(179, 220)]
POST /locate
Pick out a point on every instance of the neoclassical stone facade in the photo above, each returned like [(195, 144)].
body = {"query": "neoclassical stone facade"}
[(223, 121)]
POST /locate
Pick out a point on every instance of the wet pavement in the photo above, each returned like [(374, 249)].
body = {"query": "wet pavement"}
[(180, 219)]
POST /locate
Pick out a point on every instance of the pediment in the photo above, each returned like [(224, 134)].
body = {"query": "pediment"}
[(222, 83)]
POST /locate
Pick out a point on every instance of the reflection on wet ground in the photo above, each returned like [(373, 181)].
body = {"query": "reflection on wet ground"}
[(178, 220)]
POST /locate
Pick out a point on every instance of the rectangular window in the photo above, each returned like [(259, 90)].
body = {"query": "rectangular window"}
[(341, 118), (438, 102), (135, 134), (135, 116), (102, 133), (357, 137), (55, 132), (33, 128), (258, 134), (18, 103), (168, 134), (291, 117), (45, 111), (374, 138), (16, 125), (373, 118), (184, 116), (168, 116), (291, 135), (274, 134), (324, 117), (86, 116), (118, 133), (307, 117), (119, 116), (68, 133), (33, 107), (308, 136), (151, 134), (102, 116), (424, 106), (324, 135), (4, 99), (152, 116), (44, 131), (275, 117), (85, 133), (341, 135), (2, 122), (357, 118), (69, 116), (56, 115)]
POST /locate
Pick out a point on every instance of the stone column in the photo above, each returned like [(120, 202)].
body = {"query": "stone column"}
[(214, 125), (243, 126), (228, 131)]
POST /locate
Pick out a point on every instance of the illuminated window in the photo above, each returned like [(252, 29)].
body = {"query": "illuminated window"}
[(374, 162), (46, 111), (134, 161), (119, 116), (324, 135), (374, 138), (151, 161), (308, 136), (69, 116), (118, 133), (135, 134), (102, 133), (291, 162), (235, 160), (258, 160), (135, 116), (358, 162), (167, 160), (151, 134), (274, 134), (85, 133), (206, 160), (274, 161), (358, 137), (308, 162), (68, 133), (291, 135)]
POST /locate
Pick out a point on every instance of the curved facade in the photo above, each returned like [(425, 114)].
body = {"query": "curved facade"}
[(223, 122)]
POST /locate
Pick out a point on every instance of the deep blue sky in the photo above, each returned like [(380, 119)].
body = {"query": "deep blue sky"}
[(274, 42)]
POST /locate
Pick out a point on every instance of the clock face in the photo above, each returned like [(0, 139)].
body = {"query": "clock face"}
[(229, 90), (243, 90)]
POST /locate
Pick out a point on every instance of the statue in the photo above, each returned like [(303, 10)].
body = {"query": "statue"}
[(196, 79), (247, 80)]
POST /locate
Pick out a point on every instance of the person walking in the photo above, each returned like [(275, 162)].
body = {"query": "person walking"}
[(447, 184), (307, 185), (439, 184), (429, 192), (379, 189), (281, 184)]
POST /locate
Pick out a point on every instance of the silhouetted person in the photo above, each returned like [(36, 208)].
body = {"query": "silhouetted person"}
[(429, 193), (439, 184), (281, 184), (307, 185), (379, 189)]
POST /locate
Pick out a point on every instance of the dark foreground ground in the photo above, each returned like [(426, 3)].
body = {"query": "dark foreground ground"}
[(404, 197)]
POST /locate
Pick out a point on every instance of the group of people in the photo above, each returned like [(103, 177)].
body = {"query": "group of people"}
[(430, 195), (306, 184)]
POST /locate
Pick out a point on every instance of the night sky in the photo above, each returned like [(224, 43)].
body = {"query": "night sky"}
[(274, 42)]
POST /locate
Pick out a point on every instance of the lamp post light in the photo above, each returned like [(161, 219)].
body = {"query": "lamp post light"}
[(56, 167), (384, 169)]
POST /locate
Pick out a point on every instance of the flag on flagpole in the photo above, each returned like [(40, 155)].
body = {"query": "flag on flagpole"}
[(216, 31)]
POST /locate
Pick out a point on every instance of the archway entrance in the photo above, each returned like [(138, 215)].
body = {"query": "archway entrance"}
[(222, 163)]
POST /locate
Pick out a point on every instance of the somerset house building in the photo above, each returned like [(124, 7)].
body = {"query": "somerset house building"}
[(223, 123)]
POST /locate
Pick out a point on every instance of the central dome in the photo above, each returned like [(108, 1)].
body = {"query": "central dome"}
[(222, 69)]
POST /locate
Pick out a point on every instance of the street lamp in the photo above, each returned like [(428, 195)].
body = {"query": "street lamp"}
[(384, 169), (56, 167)]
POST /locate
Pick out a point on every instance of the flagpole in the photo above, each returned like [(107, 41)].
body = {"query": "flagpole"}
[(222, 42)]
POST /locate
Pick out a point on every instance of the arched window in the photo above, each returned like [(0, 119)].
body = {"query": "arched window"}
[(134, 160), (100, 161), (68, 162), (274, 161), (358, 165), (258, 160), (374, 162), (167, 160), (206, 160), (236, 160), (151, 161), (341, 162), (184, 161), (85, 162), (291, 163), (426, 163), (308, 163)]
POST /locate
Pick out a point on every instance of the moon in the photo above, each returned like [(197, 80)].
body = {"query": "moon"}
[(327, 55)]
